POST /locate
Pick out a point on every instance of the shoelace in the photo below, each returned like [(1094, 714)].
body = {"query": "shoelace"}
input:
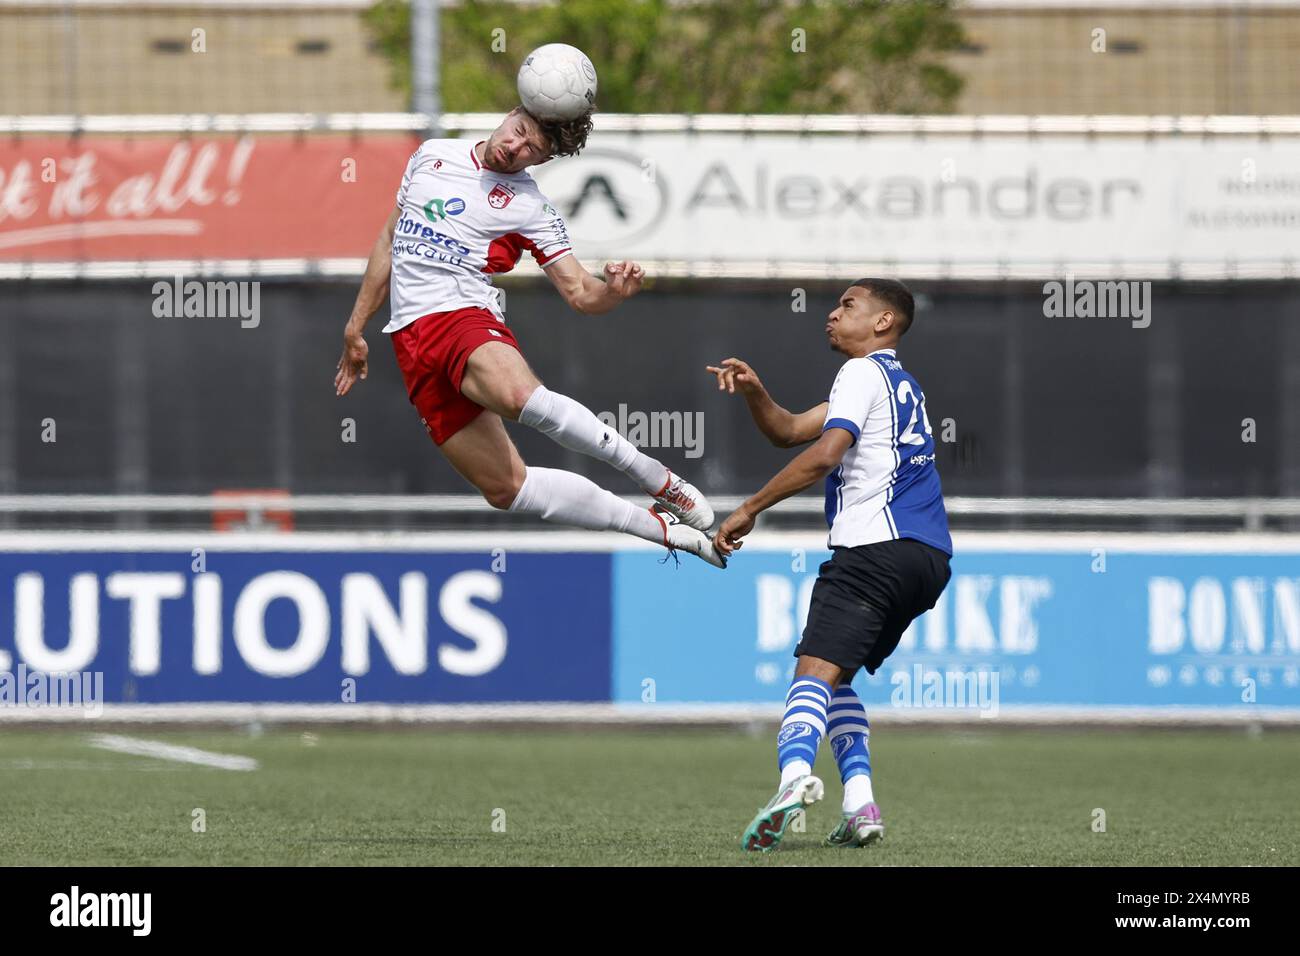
[(678, 498), (672, 552)]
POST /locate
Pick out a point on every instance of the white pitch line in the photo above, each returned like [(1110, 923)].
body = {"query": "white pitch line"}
[(162, 751), (28, 763)]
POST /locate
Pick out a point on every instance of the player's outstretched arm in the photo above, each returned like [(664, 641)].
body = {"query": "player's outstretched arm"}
[(808, 467), (374, 290), (783, 428), (589, 295)]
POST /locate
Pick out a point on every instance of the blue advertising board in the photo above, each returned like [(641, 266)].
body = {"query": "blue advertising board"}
[(1030, 620), (313, 626), (1093, 626)]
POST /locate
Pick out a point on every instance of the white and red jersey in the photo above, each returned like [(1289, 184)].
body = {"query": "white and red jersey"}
[(460, 223)]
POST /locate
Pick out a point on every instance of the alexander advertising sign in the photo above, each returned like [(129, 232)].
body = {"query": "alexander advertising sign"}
[(1138, 206), (963, 205)]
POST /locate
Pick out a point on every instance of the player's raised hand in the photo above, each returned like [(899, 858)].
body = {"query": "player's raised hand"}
[(353, 363), (624, 278), (734, 374), (738, 524)]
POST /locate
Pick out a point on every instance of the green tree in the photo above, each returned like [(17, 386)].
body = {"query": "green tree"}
[(727, 56)]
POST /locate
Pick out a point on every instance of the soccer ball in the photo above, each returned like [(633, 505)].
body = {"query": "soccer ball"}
[(557, 82)]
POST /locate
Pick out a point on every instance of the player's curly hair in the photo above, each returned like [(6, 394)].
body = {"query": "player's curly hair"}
[(895, 295), (567, 137)]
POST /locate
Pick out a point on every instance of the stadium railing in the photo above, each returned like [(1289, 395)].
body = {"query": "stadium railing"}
[(1243, 514)]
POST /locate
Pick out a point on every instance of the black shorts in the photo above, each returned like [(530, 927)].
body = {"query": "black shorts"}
[(866, 596)]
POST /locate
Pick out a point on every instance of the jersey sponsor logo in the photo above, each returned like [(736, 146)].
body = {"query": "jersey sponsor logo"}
[(423, 250), (561, 234), (434, 241), (793, 732), (436, 210), (500, 196)]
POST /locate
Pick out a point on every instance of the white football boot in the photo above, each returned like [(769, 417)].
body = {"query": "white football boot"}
[(682, 499), (766, 830), (862, 827), (681, 537)]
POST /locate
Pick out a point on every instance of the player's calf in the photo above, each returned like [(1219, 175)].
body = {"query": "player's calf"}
[(797, 741), (568, 498), (849, 732)]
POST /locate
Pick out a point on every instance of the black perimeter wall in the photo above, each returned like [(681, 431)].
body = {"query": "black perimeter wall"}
[(1038, 406)]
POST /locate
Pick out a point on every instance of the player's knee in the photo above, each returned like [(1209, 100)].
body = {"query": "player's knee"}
[(501, 494), (516, 397)]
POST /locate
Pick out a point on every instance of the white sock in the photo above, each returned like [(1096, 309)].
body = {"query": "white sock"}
[(572, 425), (857, 792), (567, 498), (794, 770)]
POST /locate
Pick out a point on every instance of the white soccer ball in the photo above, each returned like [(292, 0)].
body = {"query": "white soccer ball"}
[(557, 82)]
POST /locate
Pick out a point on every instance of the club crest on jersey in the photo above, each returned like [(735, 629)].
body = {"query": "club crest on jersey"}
[(500, 196)]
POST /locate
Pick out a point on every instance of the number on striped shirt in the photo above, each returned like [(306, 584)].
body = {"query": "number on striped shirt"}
[(906, 398)]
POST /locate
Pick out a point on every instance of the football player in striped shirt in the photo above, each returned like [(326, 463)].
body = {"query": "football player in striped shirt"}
[(872, 446), (464, 213)]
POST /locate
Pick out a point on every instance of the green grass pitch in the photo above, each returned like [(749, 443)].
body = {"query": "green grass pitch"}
[(433, 796)]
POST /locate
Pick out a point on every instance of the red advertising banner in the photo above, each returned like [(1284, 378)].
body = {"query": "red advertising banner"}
[(103, 198)]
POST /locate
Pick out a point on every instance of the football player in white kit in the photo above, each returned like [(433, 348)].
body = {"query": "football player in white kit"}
[(466, 211), (872, 444)]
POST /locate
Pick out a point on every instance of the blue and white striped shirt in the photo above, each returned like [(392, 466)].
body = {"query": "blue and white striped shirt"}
[(887, 486)]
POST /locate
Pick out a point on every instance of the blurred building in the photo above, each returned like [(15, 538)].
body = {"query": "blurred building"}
[(1191, 57), (97, 57)]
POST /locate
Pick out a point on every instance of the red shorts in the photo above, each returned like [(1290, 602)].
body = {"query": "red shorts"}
[(432, 352)]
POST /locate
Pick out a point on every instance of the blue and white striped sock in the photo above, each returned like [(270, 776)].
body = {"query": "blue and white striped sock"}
[(849, 732), (802, 728)]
